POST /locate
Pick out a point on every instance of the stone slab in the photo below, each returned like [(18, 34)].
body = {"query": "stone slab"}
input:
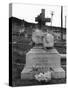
[(28, 76), (58, 73)]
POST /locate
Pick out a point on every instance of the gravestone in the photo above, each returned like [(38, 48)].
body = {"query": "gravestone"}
[(35, 58), (40, 59), (45, 60)]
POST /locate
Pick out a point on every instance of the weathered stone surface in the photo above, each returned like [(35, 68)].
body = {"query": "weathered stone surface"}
[(40, 60), (58, 73), (37, 59)]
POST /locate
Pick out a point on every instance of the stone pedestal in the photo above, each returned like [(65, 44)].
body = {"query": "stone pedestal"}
[(58, 73), (35, 58), (44, 59)]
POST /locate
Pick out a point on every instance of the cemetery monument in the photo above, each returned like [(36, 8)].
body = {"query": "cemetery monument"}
[(43, 60)]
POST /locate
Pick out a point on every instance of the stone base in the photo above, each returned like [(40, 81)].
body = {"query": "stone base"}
[(28, 76), (39, 57), (58, 73)]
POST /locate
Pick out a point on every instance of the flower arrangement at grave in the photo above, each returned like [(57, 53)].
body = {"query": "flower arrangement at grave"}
[(41, 76)]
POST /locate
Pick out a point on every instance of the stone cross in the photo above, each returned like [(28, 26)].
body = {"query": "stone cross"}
[(41, 19)]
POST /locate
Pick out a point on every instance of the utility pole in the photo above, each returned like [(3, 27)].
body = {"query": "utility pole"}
[(52, 17), (65, 21), (61, 22)]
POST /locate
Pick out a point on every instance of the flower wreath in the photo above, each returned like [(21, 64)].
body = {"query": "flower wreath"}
[(40, 76)]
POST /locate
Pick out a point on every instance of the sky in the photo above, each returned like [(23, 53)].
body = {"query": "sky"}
[(28, 12)]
